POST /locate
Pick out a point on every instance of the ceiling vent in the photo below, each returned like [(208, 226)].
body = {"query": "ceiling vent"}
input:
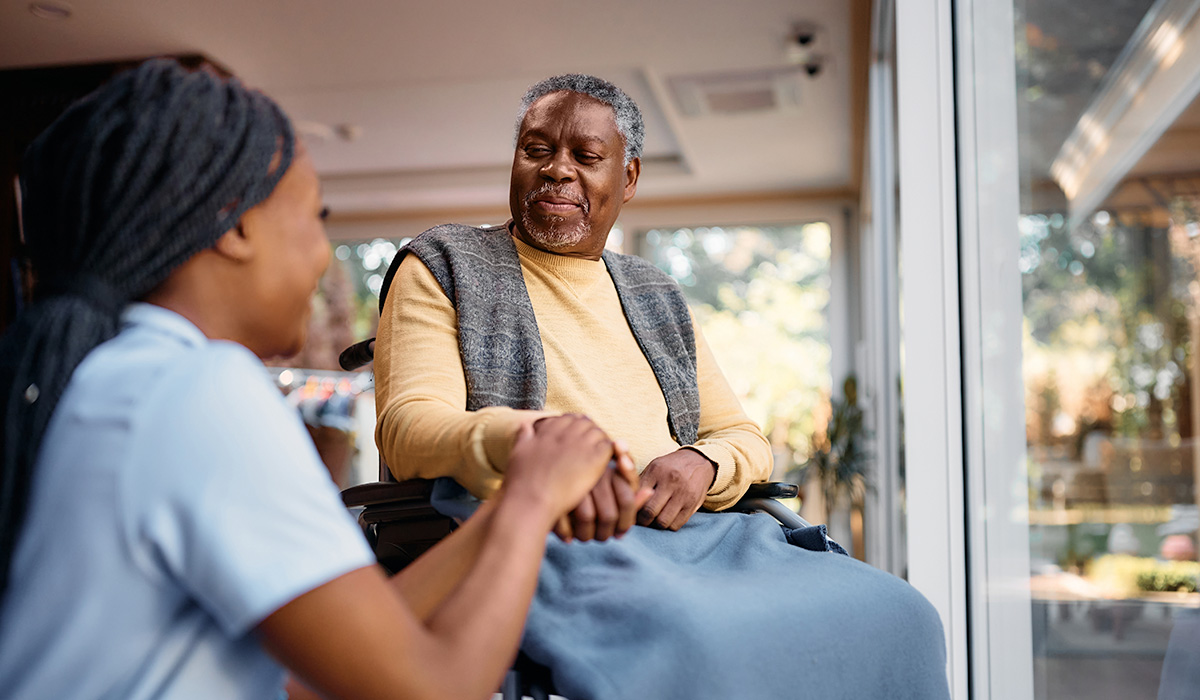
[(768, 90)]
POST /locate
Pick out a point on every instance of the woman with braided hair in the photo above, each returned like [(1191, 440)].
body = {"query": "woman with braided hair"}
[(166, 527)]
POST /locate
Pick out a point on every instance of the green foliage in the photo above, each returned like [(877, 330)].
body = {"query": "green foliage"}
[(1128, 574), (369, 260), (1167, 580), (1110, 286)]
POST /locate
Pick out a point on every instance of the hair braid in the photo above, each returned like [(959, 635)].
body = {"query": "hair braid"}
[(128, 184)]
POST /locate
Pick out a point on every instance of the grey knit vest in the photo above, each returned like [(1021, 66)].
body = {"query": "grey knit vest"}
[(498, 337)]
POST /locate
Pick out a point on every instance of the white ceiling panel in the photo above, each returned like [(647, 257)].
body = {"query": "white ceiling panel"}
[(430, 90)]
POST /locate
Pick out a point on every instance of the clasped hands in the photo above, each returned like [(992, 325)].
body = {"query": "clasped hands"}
[(668, 493)]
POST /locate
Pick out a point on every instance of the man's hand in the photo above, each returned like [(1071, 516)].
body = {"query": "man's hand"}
[(680, 480), (611, 507)]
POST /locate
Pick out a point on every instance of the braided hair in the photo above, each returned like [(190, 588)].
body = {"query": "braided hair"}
[(128, 184)]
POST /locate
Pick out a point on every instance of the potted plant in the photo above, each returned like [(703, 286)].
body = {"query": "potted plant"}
[(840, 461)]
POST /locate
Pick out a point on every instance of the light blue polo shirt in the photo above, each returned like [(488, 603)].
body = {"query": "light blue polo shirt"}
[(177, 502)]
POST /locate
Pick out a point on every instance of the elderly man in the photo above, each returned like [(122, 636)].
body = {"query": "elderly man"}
[(587, 332), (484, 330)]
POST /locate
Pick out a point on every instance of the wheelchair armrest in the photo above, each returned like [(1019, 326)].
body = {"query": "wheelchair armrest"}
[(388, 492), (398, 520), (772, 489), (761, 497)]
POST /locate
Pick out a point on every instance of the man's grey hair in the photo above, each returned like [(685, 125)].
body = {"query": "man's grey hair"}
[(625, 110)]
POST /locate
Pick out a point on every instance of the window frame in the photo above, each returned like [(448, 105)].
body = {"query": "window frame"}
[(965, 433)]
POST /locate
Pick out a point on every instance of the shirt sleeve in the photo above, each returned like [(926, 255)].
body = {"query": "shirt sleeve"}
[(423, 428), (727, 436), (231, 500)]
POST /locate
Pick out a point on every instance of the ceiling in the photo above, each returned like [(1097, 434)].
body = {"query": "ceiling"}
[(427, 92)]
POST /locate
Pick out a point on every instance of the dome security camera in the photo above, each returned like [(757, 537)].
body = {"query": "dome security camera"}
[(804, 35)]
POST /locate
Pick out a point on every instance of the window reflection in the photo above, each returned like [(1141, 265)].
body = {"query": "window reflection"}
[(1110, 248)]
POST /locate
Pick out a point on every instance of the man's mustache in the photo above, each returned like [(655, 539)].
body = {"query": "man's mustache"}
[(549, 189)]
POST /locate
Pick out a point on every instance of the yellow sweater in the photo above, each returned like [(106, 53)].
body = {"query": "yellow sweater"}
[(593, 366)]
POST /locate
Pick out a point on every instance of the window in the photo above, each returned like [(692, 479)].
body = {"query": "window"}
[(761, 297), (1108, 255), (1071, 226)]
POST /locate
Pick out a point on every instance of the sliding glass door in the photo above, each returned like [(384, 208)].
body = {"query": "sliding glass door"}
[(1059, 207)]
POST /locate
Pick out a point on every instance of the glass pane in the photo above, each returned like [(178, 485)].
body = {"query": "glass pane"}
[(1110, 247)]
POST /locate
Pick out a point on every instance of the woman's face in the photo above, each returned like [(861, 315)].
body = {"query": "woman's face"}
[(292, 254)]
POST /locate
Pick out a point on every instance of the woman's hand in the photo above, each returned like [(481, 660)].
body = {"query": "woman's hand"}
[(612, 506), (557, 461)]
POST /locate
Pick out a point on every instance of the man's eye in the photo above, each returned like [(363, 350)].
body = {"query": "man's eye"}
[(537, 151), (324, 214), (587, 157)]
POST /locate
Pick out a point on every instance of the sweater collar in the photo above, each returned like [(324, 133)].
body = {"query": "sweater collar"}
[(572, 270)]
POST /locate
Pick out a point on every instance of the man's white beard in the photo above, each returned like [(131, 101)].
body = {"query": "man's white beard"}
[(557, 234)]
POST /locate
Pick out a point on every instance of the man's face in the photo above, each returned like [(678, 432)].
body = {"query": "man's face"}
[(569, 178)]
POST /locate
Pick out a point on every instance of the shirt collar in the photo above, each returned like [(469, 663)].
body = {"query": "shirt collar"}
[(156, 318)]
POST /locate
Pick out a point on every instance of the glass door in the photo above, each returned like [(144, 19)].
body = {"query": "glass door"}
[(1077, 138)]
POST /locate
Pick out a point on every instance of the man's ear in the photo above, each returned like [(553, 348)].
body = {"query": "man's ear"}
[(632, 171), (235, 245)]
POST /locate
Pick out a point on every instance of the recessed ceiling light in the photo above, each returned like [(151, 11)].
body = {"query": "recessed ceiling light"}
[(51, 10)]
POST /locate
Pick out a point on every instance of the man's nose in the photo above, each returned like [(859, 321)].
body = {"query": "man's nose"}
[(559, 168)]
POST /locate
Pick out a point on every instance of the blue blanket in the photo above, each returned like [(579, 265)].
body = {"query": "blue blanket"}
[(730, 607)]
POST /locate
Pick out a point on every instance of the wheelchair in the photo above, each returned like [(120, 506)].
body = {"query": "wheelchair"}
[(400, 523)]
